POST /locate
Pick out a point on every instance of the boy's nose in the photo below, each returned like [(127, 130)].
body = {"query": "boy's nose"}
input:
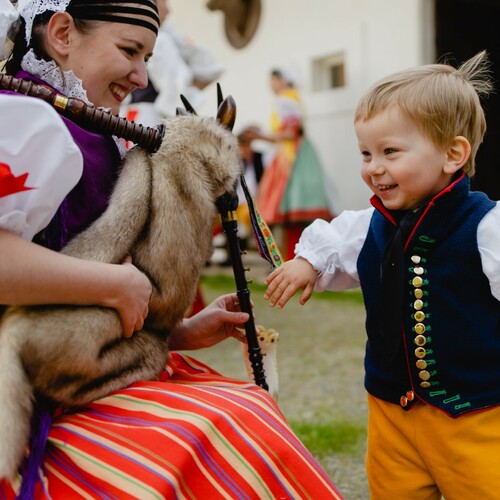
[(375, 167)]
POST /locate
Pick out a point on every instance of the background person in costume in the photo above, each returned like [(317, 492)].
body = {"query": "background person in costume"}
[(253, 169), (194, 433), (292, 191), (427, 259), (178, 66)]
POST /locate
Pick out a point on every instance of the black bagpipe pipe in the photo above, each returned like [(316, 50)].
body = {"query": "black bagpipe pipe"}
[(103, 121), (87, 116)]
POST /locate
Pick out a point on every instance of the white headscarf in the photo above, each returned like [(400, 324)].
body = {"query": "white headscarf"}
[(29, 9)]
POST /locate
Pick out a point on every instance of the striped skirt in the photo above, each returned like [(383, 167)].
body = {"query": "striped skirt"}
[(192, 435)]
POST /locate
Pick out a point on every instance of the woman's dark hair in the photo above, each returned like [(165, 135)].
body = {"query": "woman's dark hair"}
[(13, 63)]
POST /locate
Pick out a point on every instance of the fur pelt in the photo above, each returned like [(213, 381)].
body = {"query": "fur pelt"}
[(161, 213)]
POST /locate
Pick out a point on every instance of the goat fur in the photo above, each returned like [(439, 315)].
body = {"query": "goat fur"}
[(161, 213)]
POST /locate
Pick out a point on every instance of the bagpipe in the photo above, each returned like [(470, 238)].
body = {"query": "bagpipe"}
[(103, 121)]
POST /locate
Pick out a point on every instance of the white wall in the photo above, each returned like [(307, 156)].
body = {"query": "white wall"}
[(377, 37)]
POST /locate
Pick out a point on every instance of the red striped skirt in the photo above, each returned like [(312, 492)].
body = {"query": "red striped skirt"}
[(193, 435)]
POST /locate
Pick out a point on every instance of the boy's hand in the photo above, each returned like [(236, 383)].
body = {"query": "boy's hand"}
[(284, 281)]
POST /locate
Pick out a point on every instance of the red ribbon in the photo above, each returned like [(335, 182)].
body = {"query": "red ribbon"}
[(9, 184)]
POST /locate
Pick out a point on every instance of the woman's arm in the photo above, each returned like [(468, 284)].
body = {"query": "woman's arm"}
[(33, 275)]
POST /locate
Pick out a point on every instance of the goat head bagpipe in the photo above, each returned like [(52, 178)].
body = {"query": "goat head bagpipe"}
[(161, 212)]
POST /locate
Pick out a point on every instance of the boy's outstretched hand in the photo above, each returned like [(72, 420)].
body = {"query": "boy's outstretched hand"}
[(285, 280)]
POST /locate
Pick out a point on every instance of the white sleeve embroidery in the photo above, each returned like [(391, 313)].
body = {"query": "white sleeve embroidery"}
[(488, 242), (333, 248), (39, 164)]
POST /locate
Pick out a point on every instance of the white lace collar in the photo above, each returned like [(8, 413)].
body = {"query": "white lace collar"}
[(65, 82)]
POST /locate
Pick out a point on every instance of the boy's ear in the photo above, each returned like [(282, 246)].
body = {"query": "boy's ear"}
[(58, 32), (457, 154)]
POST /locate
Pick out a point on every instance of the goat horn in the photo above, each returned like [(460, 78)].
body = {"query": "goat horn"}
[(220, 97), (187, 105)]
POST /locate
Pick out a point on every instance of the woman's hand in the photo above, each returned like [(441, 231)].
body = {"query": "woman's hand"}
[(213, 324), (285, 280), (132, 298)]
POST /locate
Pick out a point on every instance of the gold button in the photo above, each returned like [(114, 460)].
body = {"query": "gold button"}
[(418, 304), (420, 352), (424, 375), (425, 384), (418, 270), (419, 316), (419, 328), (421, 364), (420, 340), (403, 401), (416, 259), (418, 293), (417, 281), (410, 396)]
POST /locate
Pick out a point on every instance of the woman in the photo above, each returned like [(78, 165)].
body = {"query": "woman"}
[(292, 190), (194, 433)]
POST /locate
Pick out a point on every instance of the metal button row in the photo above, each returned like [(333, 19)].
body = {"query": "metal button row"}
[(419, 316)]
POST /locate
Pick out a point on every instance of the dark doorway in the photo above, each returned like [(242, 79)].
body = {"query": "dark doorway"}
[(463, 28)]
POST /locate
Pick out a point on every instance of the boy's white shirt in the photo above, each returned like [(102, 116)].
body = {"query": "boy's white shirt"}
[(35, 141), (333, 248)]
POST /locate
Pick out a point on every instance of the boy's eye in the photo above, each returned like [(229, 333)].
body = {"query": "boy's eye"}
[(388, 151), (365, 154)]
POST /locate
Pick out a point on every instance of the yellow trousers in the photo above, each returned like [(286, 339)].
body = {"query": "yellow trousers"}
[(423, 454)]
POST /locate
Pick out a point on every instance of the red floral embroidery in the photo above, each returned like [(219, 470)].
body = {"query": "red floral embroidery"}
[(9, 184)]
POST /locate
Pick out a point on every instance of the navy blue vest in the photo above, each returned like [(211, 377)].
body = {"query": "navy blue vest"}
[(449, 355)]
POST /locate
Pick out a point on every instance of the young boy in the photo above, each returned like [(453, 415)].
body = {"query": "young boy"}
[(428, 262)]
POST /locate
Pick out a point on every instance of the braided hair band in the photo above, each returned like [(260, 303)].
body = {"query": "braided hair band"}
[(110, 10), (137, 12)]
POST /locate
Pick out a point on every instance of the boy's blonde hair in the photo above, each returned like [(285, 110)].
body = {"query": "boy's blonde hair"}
[(442, 100)]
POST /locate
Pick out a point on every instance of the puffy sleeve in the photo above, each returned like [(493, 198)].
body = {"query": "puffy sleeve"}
[(488, 241), (333, 248), (39, 164)]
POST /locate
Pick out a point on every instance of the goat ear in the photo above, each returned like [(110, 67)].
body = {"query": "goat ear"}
[(226, 114)]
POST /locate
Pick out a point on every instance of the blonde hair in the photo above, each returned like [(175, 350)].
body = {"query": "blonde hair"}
[(442, 100)]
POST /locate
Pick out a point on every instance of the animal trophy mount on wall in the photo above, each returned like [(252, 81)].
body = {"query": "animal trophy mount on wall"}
[(241, 19)]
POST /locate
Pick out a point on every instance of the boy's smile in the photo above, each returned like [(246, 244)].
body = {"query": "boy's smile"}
[(401, 165)]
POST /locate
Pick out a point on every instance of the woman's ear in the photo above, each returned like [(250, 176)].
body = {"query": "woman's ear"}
[(457, 154), (58, 32)]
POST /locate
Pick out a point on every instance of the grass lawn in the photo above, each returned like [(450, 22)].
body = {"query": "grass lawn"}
[(321, 392)]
